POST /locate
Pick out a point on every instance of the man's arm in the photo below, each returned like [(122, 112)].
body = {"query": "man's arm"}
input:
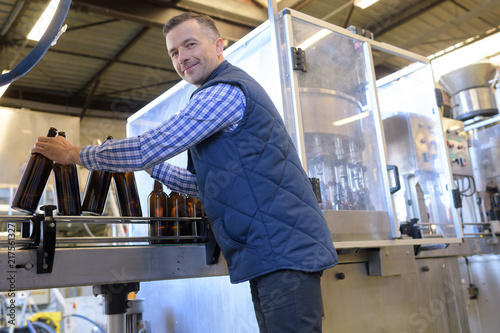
[(213, 109), (177, 179)]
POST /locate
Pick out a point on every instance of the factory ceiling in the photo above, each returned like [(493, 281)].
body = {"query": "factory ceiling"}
[(111, 61)]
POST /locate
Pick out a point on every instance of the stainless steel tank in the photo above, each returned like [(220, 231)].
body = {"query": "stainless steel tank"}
[(471, 91)]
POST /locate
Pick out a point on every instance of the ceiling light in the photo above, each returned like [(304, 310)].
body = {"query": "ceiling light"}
[(348, 120), (364, 3), (314, 39), (44, 21), (485, 50), (3, 88)]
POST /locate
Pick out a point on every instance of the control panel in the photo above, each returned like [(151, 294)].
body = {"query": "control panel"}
[(457, 147)]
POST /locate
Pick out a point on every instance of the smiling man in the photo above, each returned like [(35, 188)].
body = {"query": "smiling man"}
[(244, 168)]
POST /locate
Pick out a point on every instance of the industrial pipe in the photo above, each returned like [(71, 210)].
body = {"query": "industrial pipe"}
[(40, 48)]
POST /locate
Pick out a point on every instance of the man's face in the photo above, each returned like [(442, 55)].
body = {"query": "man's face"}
[(195, 55)]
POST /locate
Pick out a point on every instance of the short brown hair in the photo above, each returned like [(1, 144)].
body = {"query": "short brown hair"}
[(204, 20)]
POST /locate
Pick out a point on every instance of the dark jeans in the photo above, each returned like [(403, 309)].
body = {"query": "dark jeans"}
[(288, 301)]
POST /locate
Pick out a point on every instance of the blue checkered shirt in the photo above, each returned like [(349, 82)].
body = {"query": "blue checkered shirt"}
[(216, 108)]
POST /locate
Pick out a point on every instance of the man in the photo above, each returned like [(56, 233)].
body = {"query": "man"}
[(245, 170)]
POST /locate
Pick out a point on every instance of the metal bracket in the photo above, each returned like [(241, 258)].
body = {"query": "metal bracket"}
[(47, 241), (116, 296), (412, 229), (457, 199), (316, 188), (391, 260), (299, 59)]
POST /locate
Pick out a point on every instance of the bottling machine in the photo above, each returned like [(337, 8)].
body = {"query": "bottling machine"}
[(372, 141)]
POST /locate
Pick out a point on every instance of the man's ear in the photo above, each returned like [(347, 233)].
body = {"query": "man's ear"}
[(219, 45)]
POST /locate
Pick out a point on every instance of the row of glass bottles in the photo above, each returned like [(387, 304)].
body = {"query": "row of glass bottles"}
[(36, 175), (39, 167), (173, 205)]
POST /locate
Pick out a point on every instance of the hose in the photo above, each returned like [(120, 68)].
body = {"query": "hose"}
[(40, 48), (43, 326), (30, 327)]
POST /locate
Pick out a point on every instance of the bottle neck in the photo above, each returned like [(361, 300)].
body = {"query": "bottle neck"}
[(52, 132), (157, 186)]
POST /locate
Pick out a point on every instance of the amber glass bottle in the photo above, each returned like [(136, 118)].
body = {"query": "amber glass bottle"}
[(127, 194), (67, 188), (96, 191), (194, 209), (33, 181), (158, 207), (177, 208)]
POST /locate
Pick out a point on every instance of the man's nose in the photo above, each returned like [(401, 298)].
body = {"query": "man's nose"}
[(183, 56)]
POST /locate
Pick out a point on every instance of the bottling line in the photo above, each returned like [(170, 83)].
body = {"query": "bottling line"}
[(405, 191)]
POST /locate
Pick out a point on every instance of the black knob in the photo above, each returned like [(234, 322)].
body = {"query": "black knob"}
[(48, 209), (340, 276), (426, 268)]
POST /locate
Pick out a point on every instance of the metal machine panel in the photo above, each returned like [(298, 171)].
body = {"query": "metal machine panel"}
[(411, 142), (391, 260), (482, 272), (101, 265), (485, 154), (357, 225), (430, 300), (457, 147), (415, 143), (333, 116)]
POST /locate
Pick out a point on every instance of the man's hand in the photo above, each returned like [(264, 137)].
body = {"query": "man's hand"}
[(58, 149)]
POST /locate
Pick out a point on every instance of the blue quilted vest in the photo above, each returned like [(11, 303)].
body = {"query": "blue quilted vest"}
[(258, 199)]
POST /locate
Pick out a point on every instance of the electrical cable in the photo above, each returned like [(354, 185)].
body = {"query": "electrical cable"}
[(472, 183), (30, 327), (43, 326), (87, 319), (469, 183), (25, 65), (88, 230)]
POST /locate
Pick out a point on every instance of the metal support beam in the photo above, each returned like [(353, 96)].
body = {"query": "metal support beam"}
[(154, 15), (106, 67), (16, 12), (90, 56), (348, 18), (467, 10), (238, 11), (475, 13), (84, 26), (171, 82), (339, 9), (89, 98), (407, 14)]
